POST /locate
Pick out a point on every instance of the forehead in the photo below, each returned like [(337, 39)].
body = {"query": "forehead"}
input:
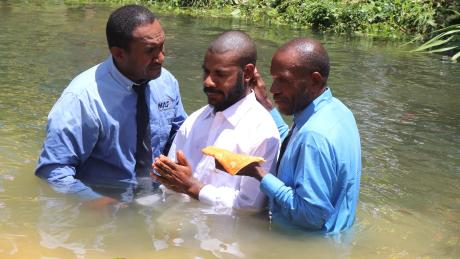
[(226, 59), (285, 62), (151, 33)]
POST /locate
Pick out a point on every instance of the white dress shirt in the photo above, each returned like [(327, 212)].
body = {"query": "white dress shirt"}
[(244, 128)]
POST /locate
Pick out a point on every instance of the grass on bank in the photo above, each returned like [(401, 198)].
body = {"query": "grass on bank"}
[(446, 41), (419, 20)]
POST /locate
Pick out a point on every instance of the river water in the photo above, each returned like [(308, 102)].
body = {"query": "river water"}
[(406, 106)]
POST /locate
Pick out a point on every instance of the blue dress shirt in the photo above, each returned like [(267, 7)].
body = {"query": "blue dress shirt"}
[(91, 132), (317, 184)]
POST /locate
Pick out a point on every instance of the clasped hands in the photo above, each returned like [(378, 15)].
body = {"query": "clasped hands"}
[(178, 176)]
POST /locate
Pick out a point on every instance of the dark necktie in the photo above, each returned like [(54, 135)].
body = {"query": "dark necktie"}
[(283, 147), (143, 144)]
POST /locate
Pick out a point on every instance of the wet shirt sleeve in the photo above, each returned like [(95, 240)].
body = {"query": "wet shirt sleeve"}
[(72, 132), (306, 199)]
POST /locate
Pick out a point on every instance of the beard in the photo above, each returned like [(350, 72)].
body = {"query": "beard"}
[(234, 95)]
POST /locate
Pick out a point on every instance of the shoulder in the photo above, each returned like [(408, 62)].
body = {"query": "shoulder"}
[(261, 118), (194, 122), (81, 92), (197, 116), (166, 74), (335, 116), (333, 125), (340, 107), (166, 78), (165, 85), (83, 83)]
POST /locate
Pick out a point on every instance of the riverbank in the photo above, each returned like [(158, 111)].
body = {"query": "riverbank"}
[(432, 22), (388, 18)]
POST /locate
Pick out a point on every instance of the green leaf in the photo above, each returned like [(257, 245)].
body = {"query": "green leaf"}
[(453, 26), (442, 49), (441, 36), (236, 12), (431, 44), (456, 56)]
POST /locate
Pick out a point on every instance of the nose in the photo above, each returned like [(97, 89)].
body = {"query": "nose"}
[(207, 81), (275, 88), (159, 58)]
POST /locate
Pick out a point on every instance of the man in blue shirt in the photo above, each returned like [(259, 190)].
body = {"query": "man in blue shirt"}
[(316, 182), (114, 118)]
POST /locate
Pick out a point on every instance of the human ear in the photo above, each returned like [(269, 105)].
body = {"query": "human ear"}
[(117, 53), (248, 72), (318, 79)]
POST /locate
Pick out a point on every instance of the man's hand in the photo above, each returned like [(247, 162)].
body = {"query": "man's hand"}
[(253, 170), (100, 203), (177, 176), (258, 84)]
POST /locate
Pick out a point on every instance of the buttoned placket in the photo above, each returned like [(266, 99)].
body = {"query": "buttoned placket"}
[(214, 132)]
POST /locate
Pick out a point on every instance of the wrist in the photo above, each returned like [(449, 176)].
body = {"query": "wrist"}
[(194, 189), (267, 103), (260, 173)]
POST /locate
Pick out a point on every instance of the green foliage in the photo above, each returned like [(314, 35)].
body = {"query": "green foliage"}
[(393, 18), (386, 17), (197, 3), (447, 40), (446, 12), (420, 19)]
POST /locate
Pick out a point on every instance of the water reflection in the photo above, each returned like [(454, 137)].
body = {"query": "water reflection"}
[(60, 223), (182, 222)]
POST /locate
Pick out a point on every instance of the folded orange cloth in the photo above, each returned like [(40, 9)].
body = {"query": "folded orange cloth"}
[(231, 162)]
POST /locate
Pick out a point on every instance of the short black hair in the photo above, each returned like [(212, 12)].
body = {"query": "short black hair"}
[(123, 21), (236, 41)]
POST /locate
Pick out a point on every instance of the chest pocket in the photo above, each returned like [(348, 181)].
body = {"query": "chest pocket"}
[(166, 111)]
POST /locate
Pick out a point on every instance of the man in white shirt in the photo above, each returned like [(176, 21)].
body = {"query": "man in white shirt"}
[(233, 120)]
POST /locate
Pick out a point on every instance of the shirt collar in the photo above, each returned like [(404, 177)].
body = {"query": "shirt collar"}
[(235, 113), (301, 117), (117, 75)]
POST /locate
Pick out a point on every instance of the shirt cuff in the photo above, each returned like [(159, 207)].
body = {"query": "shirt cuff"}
[(270, 185), (207, 194)]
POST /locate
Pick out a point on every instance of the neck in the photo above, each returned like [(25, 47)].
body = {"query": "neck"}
[(228, 105), (125, 73), (311, 99), (317, 94)]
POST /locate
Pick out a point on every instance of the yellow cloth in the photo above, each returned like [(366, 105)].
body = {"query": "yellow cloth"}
[(231, 162)]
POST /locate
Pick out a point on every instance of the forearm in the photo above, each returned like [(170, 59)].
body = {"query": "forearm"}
[(247, 198), (72, 132), (62, 180), (293, 206), (283, 128), (266, 103)]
